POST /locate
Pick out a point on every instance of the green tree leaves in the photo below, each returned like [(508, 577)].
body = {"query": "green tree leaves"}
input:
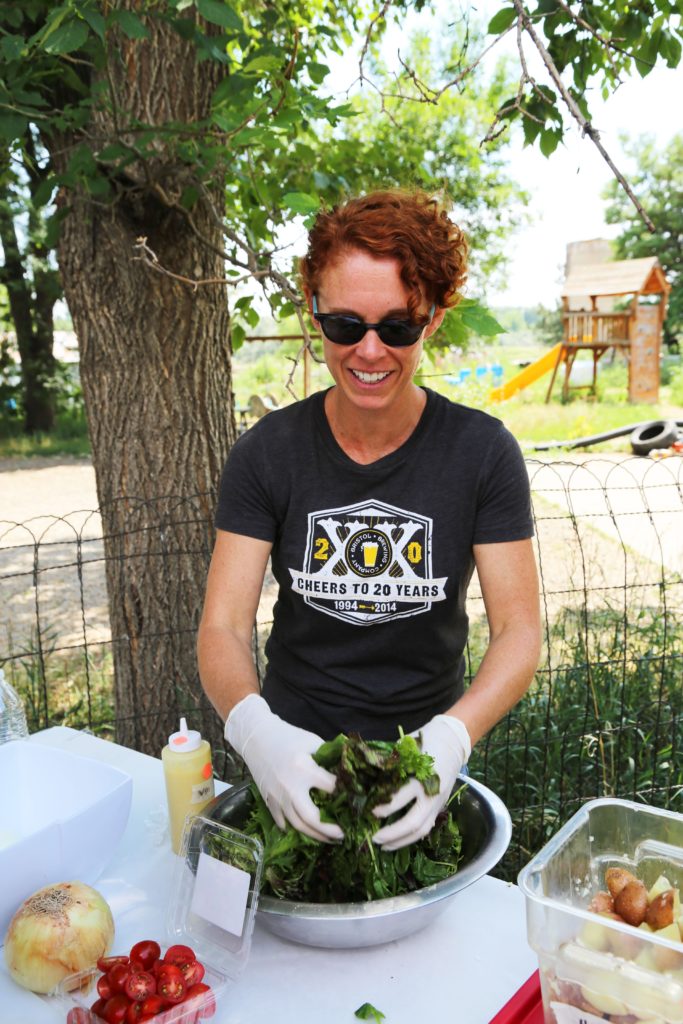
[(589, 44), (66, 37), (301, 202), (658, 183), (219, 13), (502, 21), (478, 319)]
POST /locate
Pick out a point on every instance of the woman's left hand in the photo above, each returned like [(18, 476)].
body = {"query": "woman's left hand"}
[(445, 738)]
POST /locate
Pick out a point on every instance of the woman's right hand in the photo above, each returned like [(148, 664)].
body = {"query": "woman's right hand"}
[(279, 757)]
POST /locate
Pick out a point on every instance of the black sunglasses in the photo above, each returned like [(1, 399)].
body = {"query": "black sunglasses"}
[(348, 330)]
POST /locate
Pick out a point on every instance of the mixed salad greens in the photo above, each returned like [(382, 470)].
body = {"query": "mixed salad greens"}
[(368, 772)]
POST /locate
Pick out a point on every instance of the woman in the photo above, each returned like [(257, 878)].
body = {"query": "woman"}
[(376, 499)]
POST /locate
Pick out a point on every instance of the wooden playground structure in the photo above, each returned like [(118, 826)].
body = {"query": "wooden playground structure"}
[(592, 325)]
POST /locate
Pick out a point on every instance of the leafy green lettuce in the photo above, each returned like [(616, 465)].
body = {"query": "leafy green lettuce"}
[(297, 867)]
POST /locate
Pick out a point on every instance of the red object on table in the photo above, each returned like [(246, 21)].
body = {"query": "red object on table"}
[(525, 1007)]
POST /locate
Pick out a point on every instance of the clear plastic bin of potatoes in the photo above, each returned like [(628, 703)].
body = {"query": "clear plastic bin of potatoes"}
[(603, 902)]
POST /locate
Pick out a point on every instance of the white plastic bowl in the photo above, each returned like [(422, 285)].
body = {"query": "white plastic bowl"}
[(61, 816)]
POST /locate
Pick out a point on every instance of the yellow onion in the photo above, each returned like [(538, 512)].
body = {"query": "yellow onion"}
[(57, 931)]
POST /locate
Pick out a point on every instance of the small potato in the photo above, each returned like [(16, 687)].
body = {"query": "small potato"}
[(660, 912), (616, 879), (666, 959), (631, 903), (624, 944), (602, 903), (603, 1003)]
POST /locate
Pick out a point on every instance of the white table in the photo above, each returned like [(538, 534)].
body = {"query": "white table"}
[(461, 969)]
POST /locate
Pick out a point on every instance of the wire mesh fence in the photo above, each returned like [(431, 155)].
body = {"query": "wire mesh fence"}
[(603, 716)]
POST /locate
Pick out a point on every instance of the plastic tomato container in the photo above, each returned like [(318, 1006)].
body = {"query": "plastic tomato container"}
[(593, 968), (212, 906)]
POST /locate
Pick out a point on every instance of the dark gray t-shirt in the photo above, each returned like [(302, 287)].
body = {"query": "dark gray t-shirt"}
[(373, 562)]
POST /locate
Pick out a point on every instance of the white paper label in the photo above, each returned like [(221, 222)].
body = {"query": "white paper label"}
[(566, 1014), (202, 791), (220, 894)]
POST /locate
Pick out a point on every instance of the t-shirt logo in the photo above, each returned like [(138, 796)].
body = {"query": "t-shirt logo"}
[(368, 562)]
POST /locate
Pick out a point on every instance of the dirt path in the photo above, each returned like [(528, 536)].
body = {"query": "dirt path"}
[(30, 487), (603, 522), (62, 548)]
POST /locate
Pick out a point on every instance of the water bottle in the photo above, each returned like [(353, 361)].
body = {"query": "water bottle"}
[(12, 715)]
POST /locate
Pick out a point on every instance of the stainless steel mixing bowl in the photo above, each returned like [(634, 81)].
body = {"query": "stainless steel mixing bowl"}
[(486, 829)]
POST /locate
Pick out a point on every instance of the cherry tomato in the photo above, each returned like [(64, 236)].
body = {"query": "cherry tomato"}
[(133, 1013), (139, 985), (145, 953), (179, 955), (171, 984), (98, 1007), (192, 972), (158, 966), (105, 963), (203, 992), (104, 988), (136, 1015), (78, 1015), (118, 976), (152, 1005), (115, 1009)]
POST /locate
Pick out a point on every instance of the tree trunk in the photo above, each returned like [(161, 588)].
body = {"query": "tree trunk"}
[(155, 370), (32, 319)]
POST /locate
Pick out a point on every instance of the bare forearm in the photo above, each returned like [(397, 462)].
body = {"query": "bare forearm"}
[(226, 667), (504, 676)]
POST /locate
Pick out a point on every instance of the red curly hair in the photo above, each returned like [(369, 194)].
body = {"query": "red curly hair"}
[(409, 226)]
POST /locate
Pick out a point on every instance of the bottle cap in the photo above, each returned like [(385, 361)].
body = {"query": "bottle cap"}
[(185, 739)]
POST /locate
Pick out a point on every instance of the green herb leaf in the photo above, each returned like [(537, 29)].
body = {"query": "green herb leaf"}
[(368, 773), (369, 1012)]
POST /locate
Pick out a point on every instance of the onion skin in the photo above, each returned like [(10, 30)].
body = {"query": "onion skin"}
[(57, 931)]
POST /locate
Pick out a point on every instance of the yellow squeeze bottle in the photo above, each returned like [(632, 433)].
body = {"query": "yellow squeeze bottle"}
[(189, 778)]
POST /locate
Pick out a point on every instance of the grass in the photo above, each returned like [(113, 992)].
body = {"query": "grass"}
[(263, 368), (604, 719), (70, 437), (528, 416), (72, 687)]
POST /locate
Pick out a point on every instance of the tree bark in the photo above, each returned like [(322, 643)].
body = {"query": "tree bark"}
[(156, 377), (31, 311)]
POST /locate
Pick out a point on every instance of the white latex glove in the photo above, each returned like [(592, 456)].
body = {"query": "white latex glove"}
[(447, 740), (279, 758)]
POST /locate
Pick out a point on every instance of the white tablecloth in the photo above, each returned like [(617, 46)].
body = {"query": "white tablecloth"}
[(459, 970)]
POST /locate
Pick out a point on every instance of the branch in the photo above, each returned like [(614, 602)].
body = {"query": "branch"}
[(288, 73), (366, 45), (429, 94), (609, 44), (524, 79), (585, 125), (151, 260)]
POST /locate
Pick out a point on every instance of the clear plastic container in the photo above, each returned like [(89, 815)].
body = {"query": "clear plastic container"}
[(594, 968), (214, 895), (12, 715)]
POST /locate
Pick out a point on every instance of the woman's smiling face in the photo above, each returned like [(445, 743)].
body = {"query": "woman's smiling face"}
[(370, 375)]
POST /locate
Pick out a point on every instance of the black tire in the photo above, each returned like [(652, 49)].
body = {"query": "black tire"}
[(655, 434)]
